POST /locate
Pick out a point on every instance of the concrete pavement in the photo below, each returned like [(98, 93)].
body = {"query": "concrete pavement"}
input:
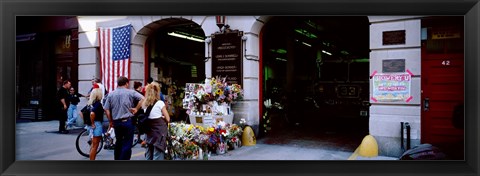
[(266, 148)]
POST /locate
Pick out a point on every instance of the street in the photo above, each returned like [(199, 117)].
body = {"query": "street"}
[(40, 141)]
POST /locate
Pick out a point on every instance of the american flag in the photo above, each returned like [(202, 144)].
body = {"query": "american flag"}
[(114, 54)]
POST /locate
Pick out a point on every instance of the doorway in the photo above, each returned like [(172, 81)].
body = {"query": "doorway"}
[(443, 84), (315, 76), (176, 56)]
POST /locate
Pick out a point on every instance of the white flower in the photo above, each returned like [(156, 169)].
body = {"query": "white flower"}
[(243, 121), (226, 133), (222, 124)]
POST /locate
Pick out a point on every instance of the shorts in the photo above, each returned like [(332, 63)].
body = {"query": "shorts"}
[(98, 131)]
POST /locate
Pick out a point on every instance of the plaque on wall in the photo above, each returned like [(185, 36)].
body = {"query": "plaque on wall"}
[(393, 37), (227, 56), (393, 65)]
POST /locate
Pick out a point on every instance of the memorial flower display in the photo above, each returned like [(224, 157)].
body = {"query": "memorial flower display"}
[(190, 142), (181, 142), (217, 89), (215, 93)]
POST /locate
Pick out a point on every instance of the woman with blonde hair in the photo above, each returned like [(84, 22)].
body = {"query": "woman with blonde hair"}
[(96, 117), (158, 119)]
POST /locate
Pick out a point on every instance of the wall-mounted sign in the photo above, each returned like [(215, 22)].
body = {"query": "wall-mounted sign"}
[(393, 65), (227, 56), (448, 34), (391, 87), (393, 37)]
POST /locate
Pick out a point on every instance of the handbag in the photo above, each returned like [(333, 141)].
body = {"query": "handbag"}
[(142, 119), (86, 114)]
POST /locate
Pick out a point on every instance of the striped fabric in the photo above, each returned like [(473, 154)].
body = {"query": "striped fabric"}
[(115, 54)]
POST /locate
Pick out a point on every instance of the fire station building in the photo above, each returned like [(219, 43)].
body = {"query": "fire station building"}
[(393, 77)]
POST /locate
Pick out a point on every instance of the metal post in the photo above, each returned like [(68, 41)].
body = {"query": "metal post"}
[(408, 135), (401, 137)]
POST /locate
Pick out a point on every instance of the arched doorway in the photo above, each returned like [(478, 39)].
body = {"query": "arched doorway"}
[(316, 69), (174, 54)]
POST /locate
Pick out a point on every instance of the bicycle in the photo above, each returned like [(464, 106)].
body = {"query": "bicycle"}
[(84, 141)]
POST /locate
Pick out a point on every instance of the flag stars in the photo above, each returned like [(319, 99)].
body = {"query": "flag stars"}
[(121, 42)]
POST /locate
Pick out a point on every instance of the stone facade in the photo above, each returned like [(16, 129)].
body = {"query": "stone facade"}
[(143, 26), (385, 118)]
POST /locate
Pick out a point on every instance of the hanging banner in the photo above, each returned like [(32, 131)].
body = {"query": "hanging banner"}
[(391, 87)]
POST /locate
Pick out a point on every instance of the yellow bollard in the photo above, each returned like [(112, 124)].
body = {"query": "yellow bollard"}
[(248, 137), (368, 148)]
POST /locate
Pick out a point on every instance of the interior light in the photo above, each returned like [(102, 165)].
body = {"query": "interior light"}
[(306, 33), (281, 59), (185, 37), (279, 51), (361, 60), (323, 51), (307, 44)]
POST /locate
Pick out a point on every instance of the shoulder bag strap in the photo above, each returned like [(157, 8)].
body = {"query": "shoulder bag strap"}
[(149, 109)]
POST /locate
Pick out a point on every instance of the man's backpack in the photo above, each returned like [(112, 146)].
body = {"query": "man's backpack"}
[(86, 114)]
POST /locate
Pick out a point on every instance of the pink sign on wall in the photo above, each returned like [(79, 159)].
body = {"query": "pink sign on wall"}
[(392, 87)]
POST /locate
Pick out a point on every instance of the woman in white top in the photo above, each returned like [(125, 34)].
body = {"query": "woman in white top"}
[(156, 134)]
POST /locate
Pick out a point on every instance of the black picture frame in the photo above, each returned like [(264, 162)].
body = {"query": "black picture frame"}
[(9, 9)]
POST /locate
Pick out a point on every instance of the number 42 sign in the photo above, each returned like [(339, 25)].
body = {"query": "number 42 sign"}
[(446, 62)]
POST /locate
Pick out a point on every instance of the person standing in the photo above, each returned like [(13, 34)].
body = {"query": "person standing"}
[(138, 87), (96, 116), (74, 98), (63, 103), (120, 109), (157, 130), (149, 81), (97, 82)]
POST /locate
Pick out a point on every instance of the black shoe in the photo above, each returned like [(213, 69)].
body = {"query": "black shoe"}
[(64, 132)]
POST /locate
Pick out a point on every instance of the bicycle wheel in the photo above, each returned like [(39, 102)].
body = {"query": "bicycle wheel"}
[(137, 137), (83, 143)]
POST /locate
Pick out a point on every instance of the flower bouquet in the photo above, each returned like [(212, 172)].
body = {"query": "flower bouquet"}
[(219, 90), (216, 93), (187, 142), (216, 141), (233, 137), (182, 141)]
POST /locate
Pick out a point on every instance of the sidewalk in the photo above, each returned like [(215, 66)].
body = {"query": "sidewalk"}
[(266, 148), (298, 150)]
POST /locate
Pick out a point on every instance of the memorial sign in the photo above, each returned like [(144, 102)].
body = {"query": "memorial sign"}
[(227, 56), (393, 37), (393, 65)]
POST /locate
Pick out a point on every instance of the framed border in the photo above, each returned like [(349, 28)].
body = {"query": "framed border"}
[(10, 8)]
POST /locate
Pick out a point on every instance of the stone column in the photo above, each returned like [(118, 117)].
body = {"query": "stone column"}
[(385, 117)]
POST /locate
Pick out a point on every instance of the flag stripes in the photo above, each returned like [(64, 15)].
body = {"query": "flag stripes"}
[(115, 54)]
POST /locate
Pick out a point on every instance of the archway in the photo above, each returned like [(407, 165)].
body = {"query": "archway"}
[(174, 55), (316, 69)]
